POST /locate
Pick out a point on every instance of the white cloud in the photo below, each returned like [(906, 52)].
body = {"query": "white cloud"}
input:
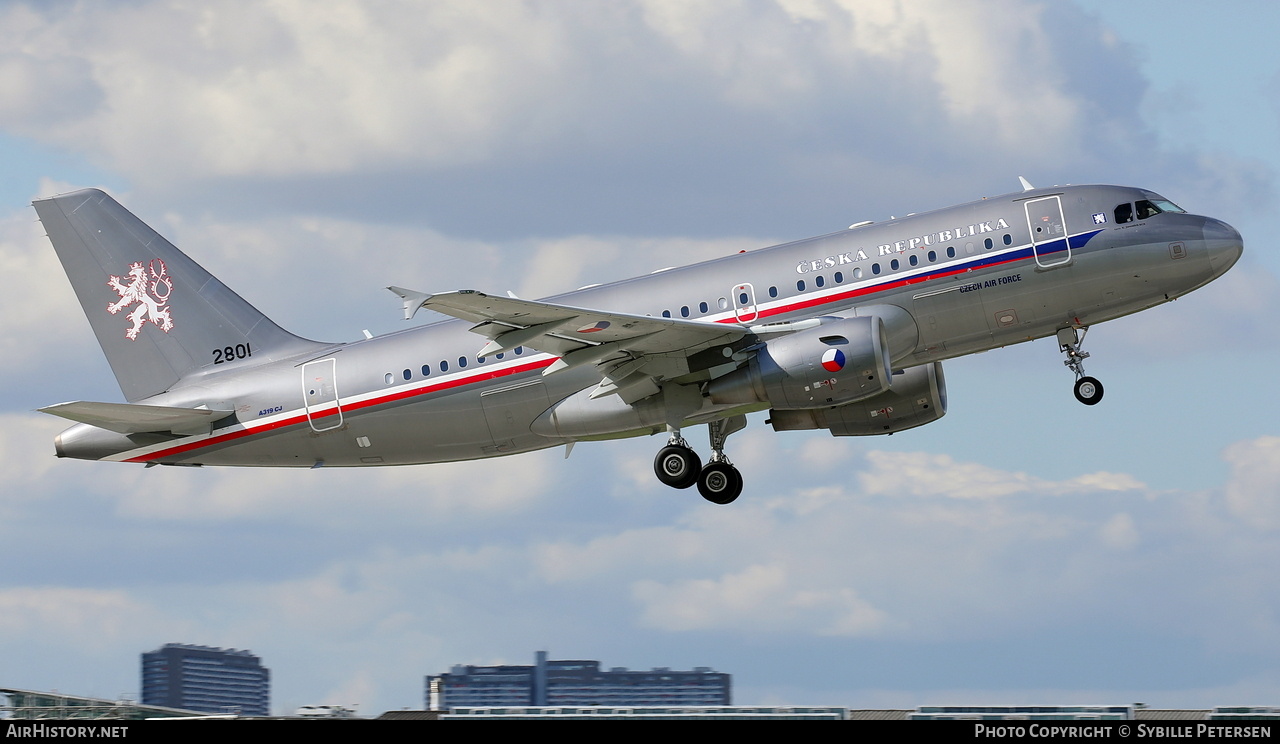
[(79, 617), (27, 457), (757, 598), (304, 88), (922, 474), (1253, 490), (439, 492), (41, 310), (1120, 532)]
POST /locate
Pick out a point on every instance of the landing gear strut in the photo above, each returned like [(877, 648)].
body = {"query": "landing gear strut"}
[(720, 482), (678, 466), (1087, 389)]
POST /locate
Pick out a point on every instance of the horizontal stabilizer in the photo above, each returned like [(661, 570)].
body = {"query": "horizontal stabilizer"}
[(130, 418)]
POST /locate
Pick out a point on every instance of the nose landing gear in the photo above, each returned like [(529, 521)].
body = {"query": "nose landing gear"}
[(1087, 389), (678, 466)]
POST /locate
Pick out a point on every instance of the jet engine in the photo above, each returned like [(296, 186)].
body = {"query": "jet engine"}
[(918, 397), (841, 361)]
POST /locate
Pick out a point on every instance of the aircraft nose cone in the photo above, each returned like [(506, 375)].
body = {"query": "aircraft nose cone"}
[(1224, 244)]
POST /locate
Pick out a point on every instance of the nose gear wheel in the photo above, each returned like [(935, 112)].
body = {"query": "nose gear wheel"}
[(1087, 389)]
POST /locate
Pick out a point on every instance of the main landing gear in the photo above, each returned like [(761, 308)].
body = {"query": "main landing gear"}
[(678, 466), (1087, 389)]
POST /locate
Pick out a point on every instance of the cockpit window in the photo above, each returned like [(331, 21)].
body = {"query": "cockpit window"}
[(1153, 207), (1146, 208)]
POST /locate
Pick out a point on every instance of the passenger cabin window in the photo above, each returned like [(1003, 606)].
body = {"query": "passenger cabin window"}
[(839, 277), (819, 281), (703, 308), (773, 291), (800, 285)]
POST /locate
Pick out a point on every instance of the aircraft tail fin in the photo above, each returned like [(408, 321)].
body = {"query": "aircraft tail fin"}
[(158, 315)]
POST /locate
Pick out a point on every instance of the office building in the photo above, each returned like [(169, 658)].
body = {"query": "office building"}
[(574, 683), (203, 678)]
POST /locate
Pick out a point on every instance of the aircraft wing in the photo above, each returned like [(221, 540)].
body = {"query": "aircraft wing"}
[(634, 347)]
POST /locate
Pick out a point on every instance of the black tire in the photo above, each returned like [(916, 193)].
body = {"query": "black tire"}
[(720, 483), (1088, 391), (677, 467)]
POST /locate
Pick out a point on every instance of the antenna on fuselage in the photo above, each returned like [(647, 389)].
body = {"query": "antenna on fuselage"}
[(1026, 185)]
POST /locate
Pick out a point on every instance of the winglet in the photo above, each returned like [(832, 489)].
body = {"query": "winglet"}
[(1026, 185), (412, 300)]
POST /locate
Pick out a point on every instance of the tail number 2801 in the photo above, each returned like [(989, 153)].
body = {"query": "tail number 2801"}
[(231, 353)]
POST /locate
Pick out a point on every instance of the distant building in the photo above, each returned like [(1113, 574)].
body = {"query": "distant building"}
[(1023, 713), (574, 683), (203, 678), (649, 713)]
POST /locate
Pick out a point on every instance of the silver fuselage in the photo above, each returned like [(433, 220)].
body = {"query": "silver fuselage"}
[(971, 278)]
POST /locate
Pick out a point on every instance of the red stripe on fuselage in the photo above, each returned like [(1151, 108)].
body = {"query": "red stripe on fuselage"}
[(251, 429)]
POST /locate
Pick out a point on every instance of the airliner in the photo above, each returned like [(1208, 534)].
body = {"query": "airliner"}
[(845, 332)]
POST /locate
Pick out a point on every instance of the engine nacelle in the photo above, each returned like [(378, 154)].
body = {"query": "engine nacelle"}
[(840, 361), (918, 397)]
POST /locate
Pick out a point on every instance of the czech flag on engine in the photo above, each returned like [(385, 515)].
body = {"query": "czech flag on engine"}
[(833, 360)]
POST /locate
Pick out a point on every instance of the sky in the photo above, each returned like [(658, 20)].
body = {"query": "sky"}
[(1024, 549)]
